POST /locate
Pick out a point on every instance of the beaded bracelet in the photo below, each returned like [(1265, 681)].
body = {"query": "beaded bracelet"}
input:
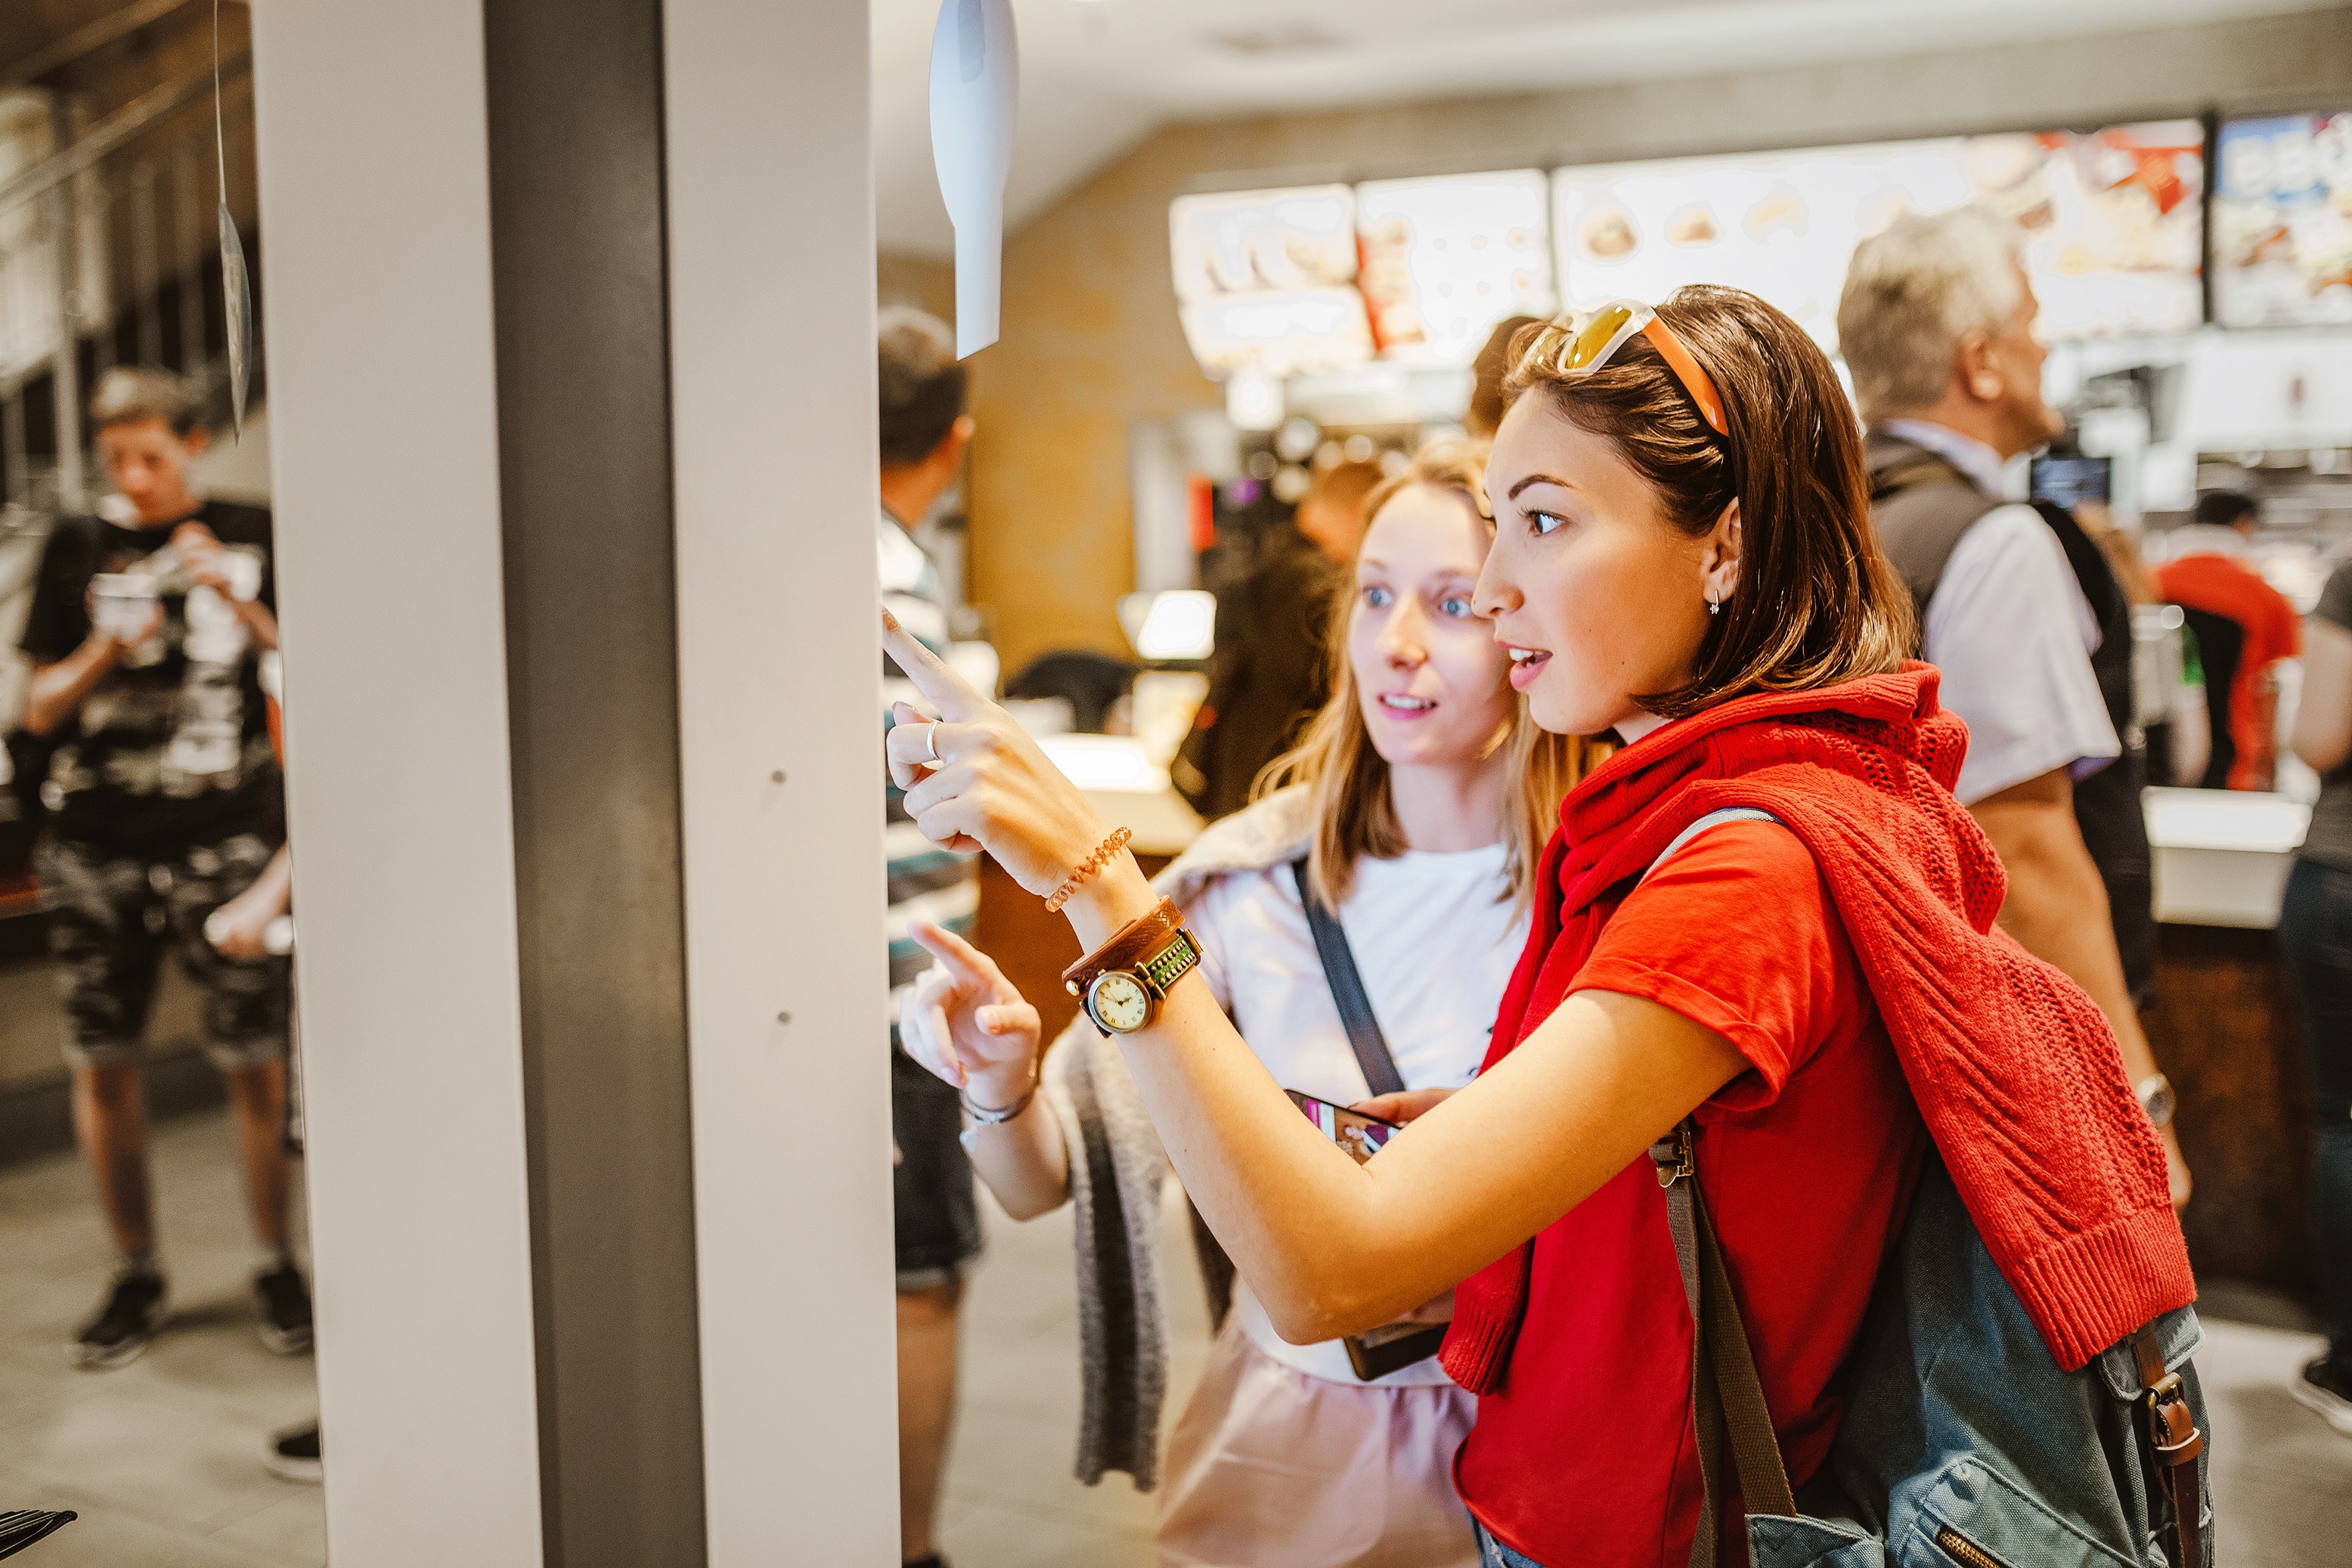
[(1087, 868)]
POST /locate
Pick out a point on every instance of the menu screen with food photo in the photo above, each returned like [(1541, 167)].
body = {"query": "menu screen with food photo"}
[(2112, 220), (2283, 221), (1265, 280), (1446, 258)]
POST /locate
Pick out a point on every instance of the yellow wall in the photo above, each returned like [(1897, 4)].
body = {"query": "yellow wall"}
[(915, 280), (1090, 335)]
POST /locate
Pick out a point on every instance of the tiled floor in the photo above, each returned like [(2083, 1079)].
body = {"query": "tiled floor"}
[(1012, 1499), (161, 1458)]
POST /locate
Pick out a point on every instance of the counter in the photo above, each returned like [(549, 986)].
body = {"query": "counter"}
[(2224, 1026), (2221, 856)]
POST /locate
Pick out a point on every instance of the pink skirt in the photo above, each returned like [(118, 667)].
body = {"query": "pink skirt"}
[(1269, 1468)]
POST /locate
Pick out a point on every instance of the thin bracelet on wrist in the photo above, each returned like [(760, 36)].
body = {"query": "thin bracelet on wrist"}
[(993, 1116)]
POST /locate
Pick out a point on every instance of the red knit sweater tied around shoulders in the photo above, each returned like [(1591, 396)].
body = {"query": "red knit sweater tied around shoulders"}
[(2017, 1075)]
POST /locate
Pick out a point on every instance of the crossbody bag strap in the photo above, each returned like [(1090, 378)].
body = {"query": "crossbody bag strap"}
[(1727, 1395), (1364, 1034)]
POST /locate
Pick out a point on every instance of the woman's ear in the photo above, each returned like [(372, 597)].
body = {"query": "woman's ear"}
[(1719, 564)]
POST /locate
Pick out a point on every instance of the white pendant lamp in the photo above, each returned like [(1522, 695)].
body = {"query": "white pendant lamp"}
[(975, 91)]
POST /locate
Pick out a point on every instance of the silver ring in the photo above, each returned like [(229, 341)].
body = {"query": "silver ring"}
[(931, 743)]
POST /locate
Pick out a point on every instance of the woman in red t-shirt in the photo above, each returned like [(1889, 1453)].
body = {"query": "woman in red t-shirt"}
[(1683, 554)]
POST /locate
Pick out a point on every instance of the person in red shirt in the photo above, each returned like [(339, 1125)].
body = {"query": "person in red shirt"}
[(2211, 575), (1683, 556)]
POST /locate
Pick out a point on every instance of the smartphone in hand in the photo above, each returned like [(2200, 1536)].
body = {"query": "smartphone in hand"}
[(1391, 1346), (1360, 1135)]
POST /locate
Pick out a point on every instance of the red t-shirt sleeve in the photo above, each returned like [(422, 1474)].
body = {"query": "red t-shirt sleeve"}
[(1738, 933)]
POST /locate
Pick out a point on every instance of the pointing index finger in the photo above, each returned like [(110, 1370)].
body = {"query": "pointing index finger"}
[(961, 959), (948, 691)]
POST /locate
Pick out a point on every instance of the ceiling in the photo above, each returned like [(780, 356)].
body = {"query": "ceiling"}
[(1099, 74)]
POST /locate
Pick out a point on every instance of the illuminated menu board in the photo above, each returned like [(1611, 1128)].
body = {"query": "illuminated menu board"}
[(1446, 258), (2283, 221), (1265, 280), (1271, 280), (2111, 218)]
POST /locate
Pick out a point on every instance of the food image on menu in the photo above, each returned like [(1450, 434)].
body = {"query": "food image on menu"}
[(1879, 209), (2283, 221), (1608, 235), (1782, 210), (2120, 239), (1693, 224), (2111, 221), (2004, 171), (1246, 242), (1385, 274), (1282, 332), (1265, 279), (1445, 258)]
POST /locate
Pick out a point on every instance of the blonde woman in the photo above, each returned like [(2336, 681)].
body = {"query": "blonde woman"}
[(1399, 800)]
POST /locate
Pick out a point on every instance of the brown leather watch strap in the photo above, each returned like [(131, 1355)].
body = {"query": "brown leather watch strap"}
[(1127, 947)]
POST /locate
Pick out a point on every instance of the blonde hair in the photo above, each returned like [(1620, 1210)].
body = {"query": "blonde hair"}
[(1913, 291), (1346, 777)]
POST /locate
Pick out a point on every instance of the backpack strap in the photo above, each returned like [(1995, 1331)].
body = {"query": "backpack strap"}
[(1727, 1396), (1922, 467), (2172, 1433), (1711, 819), (1364, 1034)]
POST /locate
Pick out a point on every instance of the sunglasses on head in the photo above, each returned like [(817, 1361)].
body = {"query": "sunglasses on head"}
[(1577, 345)]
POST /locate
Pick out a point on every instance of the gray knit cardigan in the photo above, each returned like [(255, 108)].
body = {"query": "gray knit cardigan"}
[(1119, 1171)]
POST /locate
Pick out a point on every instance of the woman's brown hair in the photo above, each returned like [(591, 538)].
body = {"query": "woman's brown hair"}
[(1346, 776), (1817, 602)]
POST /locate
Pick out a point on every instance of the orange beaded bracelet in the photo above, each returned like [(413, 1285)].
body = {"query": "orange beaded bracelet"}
[(1087, 868)]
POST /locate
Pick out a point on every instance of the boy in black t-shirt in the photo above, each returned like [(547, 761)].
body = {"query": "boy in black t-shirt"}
[(167, 826)]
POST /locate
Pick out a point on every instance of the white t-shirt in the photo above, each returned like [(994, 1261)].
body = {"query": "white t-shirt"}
[(1434, 937), (2013, 635)]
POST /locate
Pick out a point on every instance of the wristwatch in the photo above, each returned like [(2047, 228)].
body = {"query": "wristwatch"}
[(1122, 983), (2156, 1097)]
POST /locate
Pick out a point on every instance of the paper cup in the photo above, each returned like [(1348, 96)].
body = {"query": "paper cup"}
[(122, 605), (243, 569)]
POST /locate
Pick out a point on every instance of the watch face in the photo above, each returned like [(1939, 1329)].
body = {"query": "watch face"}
[(2160, 1104), (1119, 1002)]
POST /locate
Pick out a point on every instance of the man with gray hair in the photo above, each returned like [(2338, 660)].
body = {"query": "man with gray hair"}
[(2017, 605)]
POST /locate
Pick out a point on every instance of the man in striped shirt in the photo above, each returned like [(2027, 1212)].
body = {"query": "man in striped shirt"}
[(924, 432)]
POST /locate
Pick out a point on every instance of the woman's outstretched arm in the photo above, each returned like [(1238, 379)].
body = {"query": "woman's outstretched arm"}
[(970, 1025), (1328, 1247)]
